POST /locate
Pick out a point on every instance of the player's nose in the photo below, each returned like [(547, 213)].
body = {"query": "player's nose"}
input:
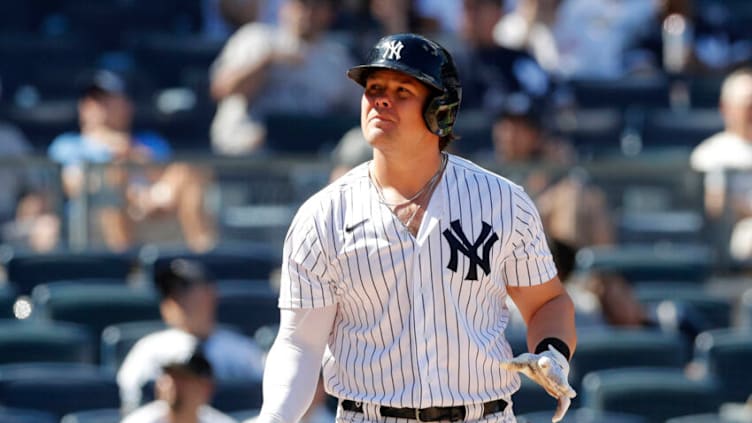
[(382, 101)]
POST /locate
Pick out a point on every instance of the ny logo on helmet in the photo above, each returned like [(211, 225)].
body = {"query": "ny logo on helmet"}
[(393, 49)]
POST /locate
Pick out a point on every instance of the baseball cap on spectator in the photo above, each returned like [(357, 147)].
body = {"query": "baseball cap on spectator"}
[(103, 82), (194, 364), (179, 275), (520, 106)]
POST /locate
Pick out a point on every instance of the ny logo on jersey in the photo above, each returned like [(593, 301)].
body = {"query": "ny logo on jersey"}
[(458, 242), (393, 49)]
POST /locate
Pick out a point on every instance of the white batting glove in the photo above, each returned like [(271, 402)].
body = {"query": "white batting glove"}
[(549, 369)]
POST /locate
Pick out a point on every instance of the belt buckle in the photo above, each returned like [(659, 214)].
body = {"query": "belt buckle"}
[(417, 414)]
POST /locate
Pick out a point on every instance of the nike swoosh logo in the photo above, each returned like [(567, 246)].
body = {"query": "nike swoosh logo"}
[(355, 225)]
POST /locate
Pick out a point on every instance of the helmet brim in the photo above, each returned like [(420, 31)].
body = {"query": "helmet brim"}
[(360, 73)]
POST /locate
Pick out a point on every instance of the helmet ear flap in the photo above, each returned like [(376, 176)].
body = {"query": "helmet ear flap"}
[(440, 114)]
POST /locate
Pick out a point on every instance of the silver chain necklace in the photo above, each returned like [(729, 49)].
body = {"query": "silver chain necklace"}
[(427, 187)]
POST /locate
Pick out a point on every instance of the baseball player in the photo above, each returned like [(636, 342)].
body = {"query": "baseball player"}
[(396, 275)]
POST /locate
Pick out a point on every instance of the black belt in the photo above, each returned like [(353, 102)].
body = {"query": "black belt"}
[(431, 414)]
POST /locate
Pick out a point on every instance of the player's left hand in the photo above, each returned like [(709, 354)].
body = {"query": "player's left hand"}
[(549, 369)]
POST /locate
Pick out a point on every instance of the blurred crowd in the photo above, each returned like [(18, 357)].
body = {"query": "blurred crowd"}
[(119, 115), (246, 71)]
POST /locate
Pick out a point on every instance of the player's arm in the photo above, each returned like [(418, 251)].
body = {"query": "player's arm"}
[(293, 363), (548, 312)]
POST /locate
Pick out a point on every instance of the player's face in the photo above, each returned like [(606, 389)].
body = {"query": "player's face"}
[(392, 108)]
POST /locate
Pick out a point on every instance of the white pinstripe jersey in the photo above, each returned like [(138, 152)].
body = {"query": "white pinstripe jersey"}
[(420, 320)]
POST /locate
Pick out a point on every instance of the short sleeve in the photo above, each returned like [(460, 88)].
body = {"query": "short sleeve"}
[(248, 45), (529, 260), (306, 280)]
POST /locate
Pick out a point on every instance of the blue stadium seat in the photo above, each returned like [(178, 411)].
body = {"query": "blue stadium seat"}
[(726, 353), (666, 128), (625, 93), (652, 392), (106, 415), (22, 415), (650, 262), (321, 133), (582, 415), (8, 295), (235, 395), (248, 311), (710, 311), (746, 309), (243, 261), (699, 418), (619, 348), (57, 388), (27, 270), (118, 339), (95, 306), (27, 341), (531, 398)]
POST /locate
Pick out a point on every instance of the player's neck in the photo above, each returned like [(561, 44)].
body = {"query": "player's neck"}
[(407, 174)]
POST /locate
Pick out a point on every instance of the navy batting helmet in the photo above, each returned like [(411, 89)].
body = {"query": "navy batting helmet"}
[(426, 61)]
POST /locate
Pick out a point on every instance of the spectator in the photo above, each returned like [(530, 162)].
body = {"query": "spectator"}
[(188, 306), (183, 392), (687, 37), (490, 72), (574, 212), (27, 218), (731, 150), (128, 198), (266, 69), (529, 27), (591, 37)]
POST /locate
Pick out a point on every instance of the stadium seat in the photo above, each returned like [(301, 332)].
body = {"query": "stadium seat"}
[(699, 418), (27, 270), (650, 262), (725, 353), (594, 132), (292, 133), (95, 306), (28, 341), (118, 339), (531, 398), (680, 129), (235, 395), (22, 415), (243, 261), (8, 295), (625, 93), (709, 311), (582, 415), (248, 311), (619, 348), (745, 310), (106, 415), (57, 388), (654, 393)]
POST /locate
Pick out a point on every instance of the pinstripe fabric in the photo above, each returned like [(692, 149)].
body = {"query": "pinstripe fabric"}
[(413, 328)]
